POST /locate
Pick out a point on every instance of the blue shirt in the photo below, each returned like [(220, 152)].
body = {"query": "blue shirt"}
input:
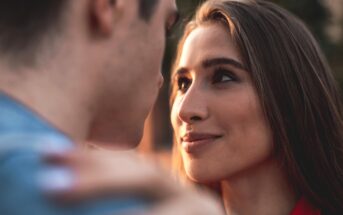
[(22, 136)]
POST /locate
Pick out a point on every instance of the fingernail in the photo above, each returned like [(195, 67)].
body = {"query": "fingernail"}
[(56, 179)]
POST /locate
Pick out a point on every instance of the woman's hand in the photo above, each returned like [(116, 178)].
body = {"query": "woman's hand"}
[(102, 172)]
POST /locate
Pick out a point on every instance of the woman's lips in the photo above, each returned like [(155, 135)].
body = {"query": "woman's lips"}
[(192, 142)]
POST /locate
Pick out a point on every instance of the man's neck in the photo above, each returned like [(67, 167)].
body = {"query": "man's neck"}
[(51, 94)]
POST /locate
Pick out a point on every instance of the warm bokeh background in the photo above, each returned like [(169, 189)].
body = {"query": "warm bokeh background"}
[(323, 17)]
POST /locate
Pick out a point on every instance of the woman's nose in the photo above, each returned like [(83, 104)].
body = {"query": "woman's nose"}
[(193, 106)]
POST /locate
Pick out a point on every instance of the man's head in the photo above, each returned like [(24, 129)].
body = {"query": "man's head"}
[(134, 71), (105, 53), (24, 24)]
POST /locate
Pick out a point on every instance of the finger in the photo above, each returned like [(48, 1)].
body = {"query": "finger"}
[(102, 173), (119, 173), (77, 156)]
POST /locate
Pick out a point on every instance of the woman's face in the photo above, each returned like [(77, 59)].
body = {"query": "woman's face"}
[(216, 114)]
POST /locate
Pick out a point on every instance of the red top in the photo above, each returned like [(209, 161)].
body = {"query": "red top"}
[(303, 207)]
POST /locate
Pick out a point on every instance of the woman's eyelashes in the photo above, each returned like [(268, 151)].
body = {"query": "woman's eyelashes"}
[(219, 76), (223, 75)]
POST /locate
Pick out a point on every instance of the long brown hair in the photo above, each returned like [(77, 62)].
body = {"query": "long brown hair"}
[(296, 89)]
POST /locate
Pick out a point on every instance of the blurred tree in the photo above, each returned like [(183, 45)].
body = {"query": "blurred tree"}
[(312, 12)]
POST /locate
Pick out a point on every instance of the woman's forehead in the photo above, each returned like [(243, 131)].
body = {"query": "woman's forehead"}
[(207, 42)]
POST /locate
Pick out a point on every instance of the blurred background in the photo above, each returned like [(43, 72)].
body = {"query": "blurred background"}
[(323, 17)]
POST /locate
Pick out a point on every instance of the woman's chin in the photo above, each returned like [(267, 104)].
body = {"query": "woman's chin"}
[(202, 178)]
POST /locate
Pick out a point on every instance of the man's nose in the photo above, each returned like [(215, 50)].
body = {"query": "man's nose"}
[(193, 106)]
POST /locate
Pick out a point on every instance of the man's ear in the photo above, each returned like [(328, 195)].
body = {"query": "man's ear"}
[(103, 15)]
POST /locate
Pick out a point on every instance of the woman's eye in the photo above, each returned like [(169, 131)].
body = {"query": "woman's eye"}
[(183, 84), (222, 76)]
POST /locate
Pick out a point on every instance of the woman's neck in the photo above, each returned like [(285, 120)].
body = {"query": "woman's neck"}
[(263, 189)]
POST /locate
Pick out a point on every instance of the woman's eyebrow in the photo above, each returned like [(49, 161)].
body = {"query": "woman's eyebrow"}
[(212, 62), (222, 60)]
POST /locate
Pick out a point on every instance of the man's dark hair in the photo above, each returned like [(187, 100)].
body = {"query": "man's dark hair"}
[(23, 24), (147, 8)]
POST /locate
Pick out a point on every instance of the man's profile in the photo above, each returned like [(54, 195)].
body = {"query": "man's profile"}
[(86, 70)]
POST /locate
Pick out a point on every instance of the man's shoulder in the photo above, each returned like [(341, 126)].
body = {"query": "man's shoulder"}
[(21, 167), (21, 163), (24, 139)]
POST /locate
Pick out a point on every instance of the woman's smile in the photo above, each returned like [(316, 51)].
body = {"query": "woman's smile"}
[(192, 142)]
